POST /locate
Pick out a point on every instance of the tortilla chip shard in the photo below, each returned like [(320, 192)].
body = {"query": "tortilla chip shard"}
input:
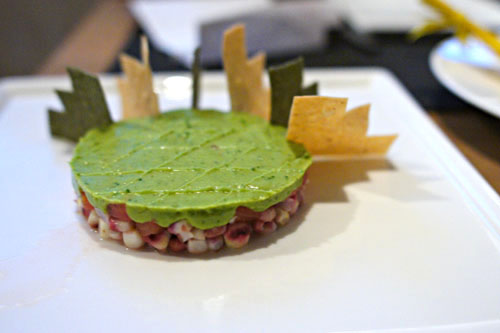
[(324, 127), (244, 76), (136, 89)]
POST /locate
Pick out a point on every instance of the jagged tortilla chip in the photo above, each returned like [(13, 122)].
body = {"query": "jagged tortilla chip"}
[(324, 127), (136, 89), (244, 76)]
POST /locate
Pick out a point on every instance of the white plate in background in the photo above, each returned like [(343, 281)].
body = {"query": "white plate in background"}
[(471, 71), (408, 243)]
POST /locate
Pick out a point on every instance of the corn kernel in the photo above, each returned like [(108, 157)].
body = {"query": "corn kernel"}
[(132, 239)]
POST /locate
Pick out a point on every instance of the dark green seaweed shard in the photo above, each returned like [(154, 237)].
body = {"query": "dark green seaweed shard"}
[(310, 90), (195, 73), (85, 107), (286, 83)]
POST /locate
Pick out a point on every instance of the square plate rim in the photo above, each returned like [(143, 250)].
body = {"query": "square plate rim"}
[(473, 186)]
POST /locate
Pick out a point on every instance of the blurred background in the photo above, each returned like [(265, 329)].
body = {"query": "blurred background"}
[(42, 37), (32, 30)]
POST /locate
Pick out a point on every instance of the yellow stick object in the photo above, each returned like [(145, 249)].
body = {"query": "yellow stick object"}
[(463, 26)]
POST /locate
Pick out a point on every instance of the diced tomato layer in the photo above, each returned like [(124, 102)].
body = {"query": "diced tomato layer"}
[(112, 224), (176, 245), (86, 212), (215, 232), (246, 214), (87, 206), (119, 212)]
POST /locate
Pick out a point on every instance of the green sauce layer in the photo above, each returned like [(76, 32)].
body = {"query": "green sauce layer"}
[(189, 164)]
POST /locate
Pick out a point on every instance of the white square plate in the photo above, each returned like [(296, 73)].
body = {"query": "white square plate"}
[(406, 243)]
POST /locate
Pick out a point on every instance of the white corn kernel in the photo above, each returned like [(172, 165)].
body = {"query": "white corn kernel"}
[(184, 236), (268, 215), (182, 230), (148, 228), (198, 234), (197, 246), (180, 226), (93, 219), (216, 243), (132, 239), (123, 226), (158, 241), (290, 205), (115, 235), (264, 227), (282, 216), (104, 229)]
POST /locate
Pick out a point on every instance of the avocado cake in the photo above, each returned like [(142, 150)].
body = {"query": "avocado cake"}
[(189, 179), (198, 180)]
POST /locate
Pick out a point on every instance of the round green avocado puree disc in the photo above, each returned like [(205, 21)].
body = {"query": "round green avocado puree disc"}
[(189, 164)]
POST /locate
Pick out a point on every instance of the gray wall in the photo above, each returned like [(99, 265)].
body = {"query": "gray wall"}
[(31, 29)]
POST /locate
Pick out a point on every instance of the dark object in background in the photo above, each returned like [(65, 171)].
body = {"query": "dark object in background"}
[(159, 61), (195, 76), (277, 32), (31, 30), (364, 42)]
